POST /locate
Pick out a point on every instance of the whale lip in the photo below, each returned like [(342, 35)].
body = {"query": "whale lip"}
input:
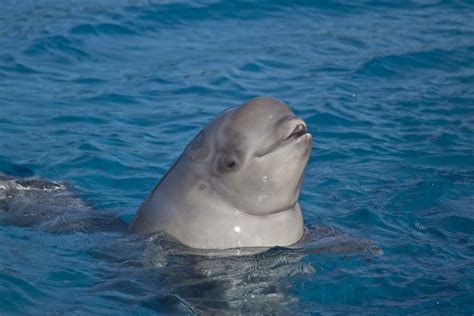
[(299, 131)]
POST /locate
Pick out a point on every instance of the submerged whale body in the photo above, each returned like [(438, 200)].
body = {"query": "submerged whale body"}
[(50, 206), (236, 184)]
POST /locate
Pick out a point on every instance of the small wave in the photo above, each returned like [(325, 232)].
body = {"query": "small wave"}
[(413, 62), (102, 28), (61, 48)]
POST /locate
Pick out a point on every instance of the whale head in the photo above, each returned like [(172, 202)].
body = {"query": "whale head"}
[(254, 156)]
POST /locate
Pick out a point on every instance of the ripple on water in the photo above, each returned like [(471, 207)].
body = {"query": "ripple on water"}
[(63, 49), (102, 28), (104, 96)]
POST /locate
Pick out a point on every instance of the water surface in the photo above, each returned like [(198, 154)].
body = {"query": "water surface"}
[(104, 95)]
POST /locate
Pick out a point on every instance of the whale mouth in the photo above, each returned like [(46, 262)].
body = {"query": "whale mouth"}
[(299, 131)]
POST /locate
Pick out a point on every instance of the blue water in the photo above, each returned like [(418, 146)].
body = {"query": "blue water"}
[(104, 95)]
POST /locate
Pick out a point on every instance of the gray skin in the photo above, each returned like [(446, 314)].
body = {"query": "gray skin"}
[(236, 184)]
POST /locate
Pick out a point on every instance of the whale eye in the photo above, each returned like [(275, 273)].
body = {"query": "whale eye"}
[(228, 163)]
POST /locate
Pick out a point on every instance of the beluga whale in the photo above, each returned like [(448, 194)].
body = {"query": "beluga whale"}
[(236, 184)]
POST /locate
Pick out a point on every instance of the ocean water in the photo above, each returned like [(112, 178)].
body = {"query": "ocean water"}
[(102, 96)]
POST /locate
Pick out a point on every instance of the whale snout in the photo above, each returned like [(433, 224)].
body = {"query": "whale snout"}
[(291, 129)]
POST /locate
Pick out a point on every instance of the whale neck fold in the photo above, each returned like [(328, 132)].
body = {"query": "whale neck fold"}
[(199, 218)]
